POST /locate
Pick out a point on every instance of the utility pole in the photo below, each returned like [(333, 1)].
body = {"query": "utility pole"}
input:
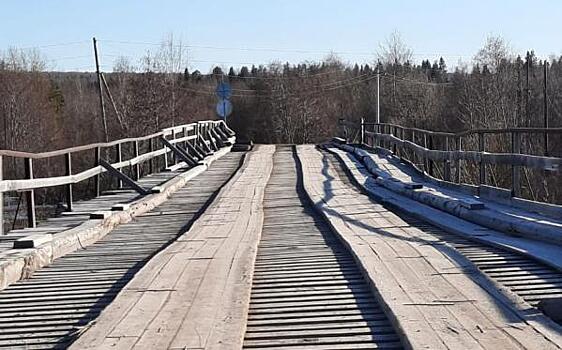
[(527, 92), (545, 93), (378, 94), (102, 105)]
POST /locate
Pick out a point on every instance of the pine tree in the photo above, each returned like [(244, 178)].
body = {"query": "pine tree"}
[(231, 73), (244, 72)]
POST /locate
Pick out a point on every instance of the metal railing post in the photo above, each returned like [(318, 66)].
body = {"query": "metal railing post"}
[(30, 195), (68, 172)]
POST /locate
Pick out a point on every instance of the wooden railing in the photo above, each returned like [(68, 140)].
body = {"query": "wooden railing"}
[(155, 149), (425, 149)]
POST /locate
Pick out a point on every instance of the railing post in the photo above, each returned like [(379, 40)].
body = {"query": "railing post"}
[(515, 170), (136, 167), (429, 160), (1, 201), (481, 149), (395, 134), (68, 172), (97, 156), (175, 159), (362, 131), (165, 153), (151, 161), (119, 159), (425, 165), (447, 162), (30, 195), (458, 162)]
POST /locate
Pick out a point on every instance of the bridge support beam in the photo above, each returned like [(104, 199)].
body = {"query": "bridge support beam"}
[(123, 177), (181, 153)]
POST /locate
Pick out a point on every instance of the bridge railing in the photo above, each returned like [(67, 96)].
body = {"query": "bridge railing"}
[(447, 156), (150, 153)]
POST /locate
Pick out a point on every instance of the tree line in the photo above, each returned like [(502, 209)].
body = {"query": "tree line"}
[(285, 103)]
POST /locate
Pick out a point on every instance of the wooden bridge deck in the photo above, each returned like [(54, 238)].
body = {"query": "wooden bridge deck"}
[(291, 254)]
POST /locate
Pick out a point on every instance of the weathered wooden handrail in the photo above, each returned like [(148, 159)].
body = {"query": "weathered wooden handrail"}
[(188, 135), (470, 131), (530, 161), (421, 144)]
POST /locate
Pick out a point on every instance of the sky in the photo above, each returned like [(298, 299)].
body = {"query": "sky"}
[(245, 32)]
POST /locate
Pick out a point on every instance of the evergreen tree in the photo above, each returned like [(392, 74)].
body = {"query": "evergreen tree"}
[(217, 71), (231, 73), (244, 72)]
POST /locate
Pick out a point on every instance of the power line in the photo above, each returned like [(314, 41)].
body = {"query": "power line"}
[(265, 49)]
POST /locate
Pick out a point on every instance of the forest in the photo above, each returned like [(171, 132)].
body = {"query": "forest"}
[(281, 102)]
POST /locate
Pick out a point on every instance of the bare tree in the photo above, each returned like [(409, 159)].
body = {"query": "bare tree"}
[(394, 50), (495, 50)]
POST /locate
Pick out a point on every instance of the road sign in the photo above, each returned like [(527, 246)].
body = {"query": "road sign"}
[(224, 108), (224, 91)]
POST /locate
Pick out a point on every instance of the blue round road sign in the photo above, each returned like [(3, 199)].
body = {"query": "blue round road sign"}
[(224, 108), (224, 91)]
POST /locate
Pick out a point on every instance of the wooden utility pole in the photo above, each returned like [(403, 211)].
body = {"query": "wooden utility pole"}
[(378, 94), (527, 92), (545, 94), (102, 105)]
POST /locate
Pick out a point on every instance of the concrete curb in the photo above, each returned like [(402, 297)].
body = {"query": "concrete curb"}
[(21, 263), (486, 217)]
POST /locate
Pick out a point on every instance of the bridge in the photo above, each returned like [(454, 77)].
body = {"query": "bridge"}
[(184, 239)]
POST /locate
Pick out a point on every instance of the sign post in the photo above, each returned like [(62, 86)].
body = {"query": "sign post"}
[(224, 106)]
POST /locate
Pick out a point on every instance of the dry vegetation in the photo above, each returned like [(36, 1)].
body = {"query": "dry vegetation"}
[(281, 103)]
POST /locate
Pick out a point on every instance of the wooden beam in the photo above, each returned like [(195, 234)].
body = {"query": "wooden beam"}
[(515, 170), (30, 195), (119, 158), (136, 167), (123, 177), (97, 156), (195, 151), (180, 153), (68, 172)]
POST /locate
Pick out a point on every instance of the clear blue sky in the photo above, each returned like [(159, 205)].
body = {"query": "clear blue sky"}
[(453, 29)]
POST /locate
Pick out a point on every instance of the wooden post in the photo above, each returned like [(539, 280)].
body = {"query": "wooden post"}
[(30, 195), (151, 166), (102, 103), (1, 201), (362, 131), (97, 178), (136, 167), (68, 172), (175, 159), (425, 165), (447, 162), (481, 149), (119, 159), (429, 161), (458, 165), (394, 133), (165, 153), (515, 170)]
